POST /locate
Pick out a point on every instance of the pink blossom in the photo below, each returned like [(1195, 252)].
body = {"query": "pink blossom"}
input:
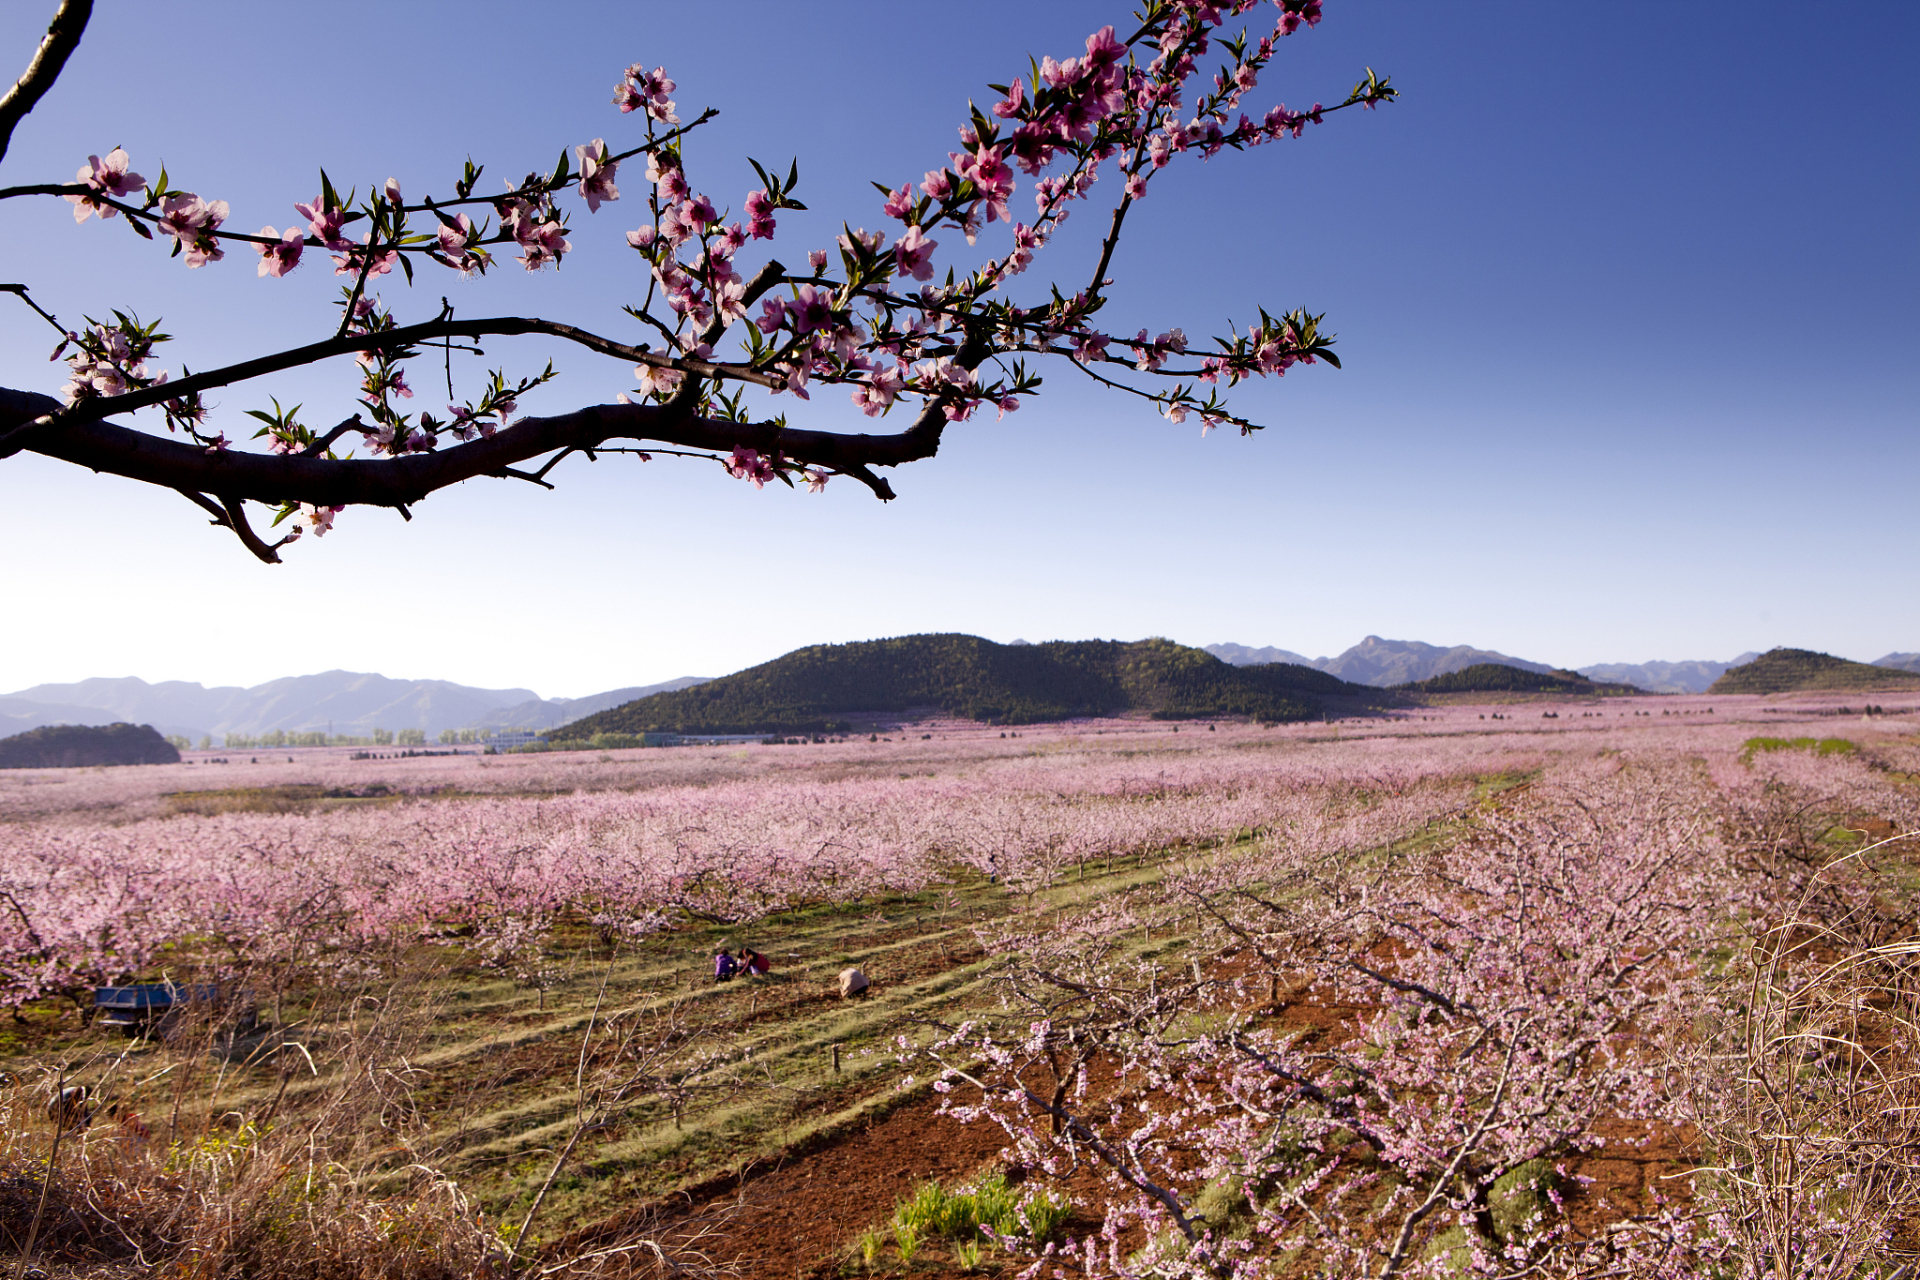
[(1103, 49), (773, 313), (320, 518), (816, 480), (648, 89), (546, 243), (641, 238), (108, 177), (730, 300), (698, 214), (191, 221), (392, 191), (899, 201), (596, 174), (878, 392), (913, 254), (1090, 346), (817, 259), (810, 309), (324, 224), (665, 173), (938, 184), (350, 262), (748, 464), (1009, 107), (673, 228), (454, 248), (278, 259), (219, 443), (759, 208), (657, 381)]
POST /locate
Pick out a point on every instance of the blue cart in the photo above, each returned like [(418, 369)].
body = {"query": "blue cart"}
[(137, 1008)]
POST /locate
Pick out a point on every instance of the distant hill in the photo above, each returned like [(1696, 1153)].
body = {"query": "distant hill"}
[(1493, 677), (1803, 671), (1899, 661), (1241, 656), (1665, 677), (544, 713), (809, 690), (344, 702), (1381, 663), (69, 746)]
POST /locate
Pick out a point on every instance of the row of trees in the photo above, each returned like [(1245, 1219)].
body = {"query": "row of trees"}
[(282, 738), (378, 738)]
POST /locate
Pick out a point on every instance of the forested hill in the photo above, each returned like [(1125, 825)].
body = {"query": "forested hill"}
[(1494, 677), (68, 746), (807, 690), (1802, 671)]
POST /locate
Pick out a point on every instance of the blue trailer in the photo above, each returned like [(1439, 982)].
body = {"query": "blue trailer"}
[(137, 1008)]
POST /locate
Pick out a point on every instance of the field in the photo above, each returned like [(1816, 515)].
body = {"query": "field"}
[(1501, 986)]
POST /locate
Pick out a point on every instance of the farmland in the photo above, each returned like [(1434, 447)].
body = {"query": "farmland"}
[(1478, 985)]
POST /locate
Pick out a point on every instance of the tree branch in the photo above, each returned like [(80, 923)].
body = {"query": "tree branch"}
[(62, 38), (403, 336), (397, 482)]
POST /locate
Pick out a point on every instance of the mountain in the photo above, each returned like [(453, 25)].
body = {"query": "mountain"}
[(343, 702), (1493, 677), (1899, 661), (546, 713), (1665, 677), (1803, 671), (1380, 662), (814, 690), (73, 747), (1242, 656)]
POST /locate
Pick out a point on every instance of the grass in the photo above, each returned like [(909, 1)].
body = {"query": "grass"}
[(1819, 746), (989, 1208)]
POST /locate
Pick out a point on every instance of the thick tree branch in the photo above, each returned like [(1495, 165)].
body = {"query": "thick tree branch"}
[(397, 482), (62, 38)]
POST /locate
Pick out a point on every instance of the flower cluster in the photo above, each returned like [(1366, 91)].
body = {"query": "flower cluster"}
[(108, 177), (643, 90), (191, 222), (110, 360)]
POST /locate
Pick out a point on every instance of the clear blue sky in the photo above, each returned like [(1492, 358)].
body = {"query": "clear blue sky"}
[(1626, 299)]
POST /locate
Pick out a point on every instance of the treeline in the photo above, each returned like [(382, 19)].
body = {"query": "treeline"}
[(809, 691), (1496, 677), (282, 738)]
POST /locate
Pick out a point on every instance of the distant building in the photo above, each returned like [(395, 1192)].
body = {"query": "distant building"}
[(508, 740)]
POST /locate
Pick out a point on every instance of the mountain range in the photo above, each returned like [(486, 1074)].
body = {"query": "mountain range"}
[(342, 702), (354, 703), (1390, 662)]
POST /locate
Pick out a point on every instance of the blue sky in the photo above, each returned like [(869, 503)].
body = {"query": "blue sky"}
[(1626, 308)]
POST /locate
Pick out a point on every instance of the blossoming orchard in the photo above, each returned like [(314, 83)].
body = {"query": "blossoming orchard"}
[(897, 318)]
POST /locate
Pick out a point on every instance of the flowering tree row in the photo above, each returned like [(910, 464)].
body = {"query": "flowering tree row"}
[(881, 314), (1507, 1002), (88, 905)]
